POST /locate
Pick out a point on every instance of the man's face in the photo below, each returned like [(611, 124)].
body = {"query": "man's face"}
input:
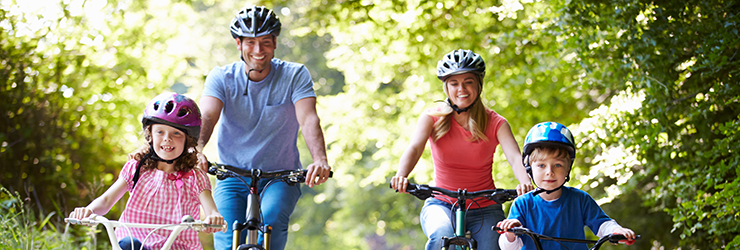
[(257, 51)]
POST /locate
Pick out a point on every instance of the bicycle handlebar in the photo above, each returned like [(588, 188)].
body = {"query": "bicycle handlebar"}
[(611, 238), (223, 171), (187, 221), (423, 191)]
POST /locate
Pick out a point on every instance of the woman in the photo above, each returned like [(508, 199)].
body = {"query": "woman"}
[(463, 134)]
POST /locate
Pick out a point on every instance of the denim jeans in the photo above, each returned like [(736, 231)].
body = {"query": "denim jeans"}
[(125, 244), (278, 202), (436, 222)]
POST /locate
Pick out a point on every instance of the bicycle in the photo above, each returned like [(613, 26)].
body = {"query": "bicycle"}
[(611, 238), (423, 192), (253, 223), (187, 222)]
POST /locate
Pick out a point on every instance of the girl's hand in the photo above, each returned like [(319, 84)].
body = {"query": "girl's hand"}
[(399, 183), (215, 219), (80, 213), (524, 188)]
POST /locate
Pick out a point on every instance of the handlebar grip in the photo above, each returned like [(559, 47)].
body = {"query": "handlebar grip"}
[(409, 188), (618, 238), (72, 221)]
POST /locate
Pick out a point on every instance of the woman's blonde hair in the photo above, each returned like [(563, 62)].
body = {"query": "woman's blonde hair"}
[(477, 122), (184, 163)]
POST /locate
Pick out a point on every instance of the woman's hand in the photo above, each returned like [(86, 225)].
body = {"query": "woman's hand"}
[(215, 219), (523, 188), (399, 183)]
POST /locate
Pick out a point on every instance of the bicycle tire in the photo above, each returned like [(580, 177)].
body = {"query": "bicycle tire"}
[(250, 247)]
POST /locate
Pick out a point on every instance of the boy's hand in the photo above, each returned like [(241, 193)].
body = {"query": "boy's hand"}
[(629, 234), (507, 224), (215, 219)]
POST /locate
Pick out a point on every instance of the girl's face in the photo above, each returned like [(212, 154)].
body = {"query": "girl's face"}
[(549, 173), (168, 141), (462, 89)]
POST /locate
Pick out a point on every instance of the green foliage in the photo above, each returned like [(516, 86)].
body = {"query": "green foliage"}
[(21, 229), (75, 77), (651, 88), (677, 136)]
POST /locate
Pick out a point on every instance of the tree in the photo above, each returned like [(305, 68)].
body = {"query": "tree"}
[(75, 77), (670, 135)]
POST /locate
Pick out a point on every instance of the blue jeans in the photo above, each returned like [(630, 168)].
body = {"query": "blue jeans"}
[(436, 222), (278, 202), (125, 243)]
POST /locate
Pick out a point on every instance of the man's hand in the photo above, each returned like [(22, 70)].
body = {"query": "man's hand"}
[(318, 173)]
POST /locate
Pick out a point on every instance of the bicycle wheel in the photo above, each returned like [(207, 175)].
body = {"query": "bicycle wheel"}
[(250, 247)]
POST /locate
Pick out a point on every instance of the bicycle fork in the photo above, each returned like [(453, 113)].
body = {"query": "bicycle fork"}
[(252, 225)]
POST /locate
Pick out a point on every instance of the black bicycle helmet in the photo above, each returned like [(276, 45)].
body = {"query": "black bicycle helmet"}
[(460, 61), (255, 22)]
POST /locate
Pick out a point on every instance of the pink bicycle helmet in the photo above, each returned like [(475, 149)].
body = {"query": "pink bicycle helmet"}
[(175, 110)]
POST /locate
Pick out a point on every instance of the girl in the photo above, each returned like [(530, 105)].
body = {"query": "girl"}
[(463, 135), (162, 180)]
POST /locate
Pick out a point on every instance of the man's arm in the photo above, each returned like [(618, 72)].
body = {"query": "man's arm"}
[(305, 110), (210, 110)]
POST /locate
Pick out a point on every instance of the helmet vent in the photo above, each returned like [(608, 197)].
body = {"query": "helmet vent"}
[(169, 106), (156, 105), (183, 112)]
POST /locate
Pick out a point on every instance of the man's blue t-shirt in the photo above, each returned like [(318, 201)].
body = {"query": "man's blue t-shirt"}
[(259, 130), (564, 217)]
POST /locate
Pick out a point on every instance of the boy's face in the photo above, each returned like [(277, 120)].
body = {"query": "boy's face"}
[(550, 172)]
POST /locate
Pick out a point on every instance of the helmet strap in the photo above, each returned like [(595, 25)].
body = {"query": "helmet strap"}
[(246, 89), (458, 109)]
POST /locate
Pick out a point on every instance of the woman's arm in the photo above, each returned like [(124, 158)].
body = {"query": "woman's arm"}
[(104, 203), (210, 210), (413, 152), (514, 157)]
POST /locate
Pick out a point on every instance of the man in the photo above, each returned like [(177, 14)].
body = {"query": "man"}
[(262, 102)]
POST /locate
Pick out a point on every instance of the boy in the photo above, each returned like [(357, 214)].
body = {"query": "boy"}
[(553, 209)]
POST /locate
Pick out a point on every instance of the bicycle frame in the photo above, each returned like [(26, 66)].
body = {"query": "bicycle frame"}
[(187, 223), (612, 238), (423, 192), (253, 223)]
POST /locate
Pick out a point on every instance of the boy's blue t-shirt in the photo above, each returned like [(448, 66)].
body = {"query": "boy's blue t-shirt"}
[(564, 217), (259, 130)]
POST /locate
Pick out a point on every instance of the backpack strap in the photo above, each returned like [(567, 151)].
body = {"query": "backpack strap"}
[(138, 168)]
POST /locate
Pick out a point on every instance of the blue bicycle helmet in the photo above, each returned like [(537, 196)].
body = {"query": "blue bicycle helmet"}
[(549, 134)]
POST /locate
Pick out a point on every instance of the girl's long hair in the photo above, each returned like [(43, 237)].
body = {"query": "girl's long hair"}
[(477, 123), (185, 163)]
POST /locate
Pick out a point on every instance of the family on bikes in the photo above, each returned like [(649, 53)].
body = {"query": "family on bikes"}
[(260, 104)]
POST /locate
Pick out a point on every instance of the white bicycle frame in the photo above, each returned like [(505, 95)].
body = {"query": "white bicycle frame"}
[(187, 223)]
